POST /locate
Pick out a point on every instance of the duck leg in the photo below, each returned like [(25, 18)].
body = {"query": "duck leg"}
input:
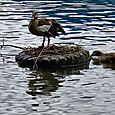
[(48, 45), (48, 42), (43, 42)]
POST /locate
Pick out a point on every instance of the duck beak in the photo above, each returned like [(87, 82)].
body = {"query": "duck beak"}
[(33, 16)]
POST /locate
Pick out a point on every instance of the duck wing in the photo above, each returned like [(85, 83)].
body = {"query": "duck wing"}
[(44, 28), (50, 26)]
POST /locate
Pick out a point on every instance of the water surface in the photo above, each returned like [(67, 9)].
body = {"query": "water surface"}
[(88, 23)]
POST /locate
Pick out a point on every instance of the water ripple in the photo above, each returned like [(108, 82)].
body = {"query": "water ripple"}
[(90, 24)]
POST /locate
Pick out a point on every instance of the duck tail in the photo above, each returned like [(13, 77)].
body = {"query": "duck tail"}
[(60, 28)]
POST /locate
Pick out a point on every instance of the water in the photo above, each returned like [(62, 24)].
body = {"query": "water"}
[(88, 23)]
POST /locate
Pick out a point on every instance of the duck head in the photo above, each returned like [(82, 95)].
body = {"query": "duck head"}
[(96, 53), (34, 15), (95, 57)]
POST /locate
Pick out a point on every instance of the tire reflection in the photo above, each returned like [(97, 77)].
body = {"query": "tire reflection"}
[(44, 82)]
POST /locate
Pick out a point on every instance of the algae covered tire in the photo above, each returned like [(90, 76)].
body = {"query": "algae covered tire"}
[(54, 57)]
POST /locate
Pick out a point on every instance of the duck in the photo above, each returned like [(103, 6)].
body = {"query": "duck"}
[(99, 57), (45, 27)]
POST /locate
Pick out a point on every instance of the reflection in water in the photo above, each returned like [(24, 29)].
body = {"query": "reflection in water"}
[(43, 82), (106, 65), (2, 57)]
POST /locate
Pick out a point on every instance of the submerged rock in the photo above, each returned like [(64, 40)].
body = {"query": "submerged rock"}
[(54, 57)]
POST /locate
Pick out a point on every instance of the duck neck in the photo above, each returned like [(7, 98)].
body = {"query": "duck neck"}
[(35, 18)]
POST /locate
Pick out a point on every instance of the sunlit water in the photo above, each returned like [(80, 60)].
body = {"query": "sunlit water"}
[(88, 23)]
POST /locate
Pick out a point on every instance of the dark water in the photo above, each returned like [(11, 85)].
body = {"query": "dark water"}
[(89, 23)]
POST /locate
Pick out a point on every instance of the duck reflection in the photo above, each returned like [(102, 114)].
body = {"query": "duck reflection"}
[(43, 82)]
